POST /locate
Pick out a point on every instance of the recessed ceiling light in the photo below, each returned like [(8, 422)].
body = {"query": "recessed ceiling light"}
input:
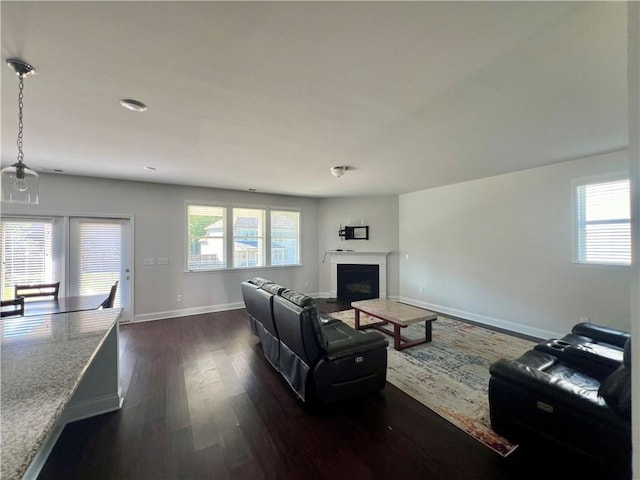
[(134, 105), (151, 169)]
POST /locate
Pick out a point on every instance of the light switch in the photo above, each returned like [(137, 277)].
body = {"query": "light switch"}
[(163, 261), (149, 261)]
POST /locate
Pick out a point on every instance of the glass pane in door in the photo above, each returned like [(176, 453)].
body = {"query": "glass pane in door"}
[(98, 257)]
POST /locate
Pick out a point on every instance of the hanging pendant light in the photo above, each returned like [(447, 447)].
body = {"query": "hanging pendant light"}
[(19, 182)]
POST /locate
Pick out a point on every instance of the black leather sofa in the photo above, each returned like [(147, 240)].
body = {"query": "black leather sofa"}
[(574, 392), (593, 348), (321, 358)]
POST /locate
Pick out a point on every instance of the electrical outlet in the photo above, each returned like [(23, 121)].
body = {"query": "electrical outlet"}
[(179, 298), (163, 261), (421, 289), (149, 261)]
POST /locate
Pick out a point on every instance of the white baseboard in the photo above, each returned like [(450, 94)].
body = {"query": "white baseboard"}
[(146, 317), (185, 312), (454, 312), (93, 407), (474, 317)]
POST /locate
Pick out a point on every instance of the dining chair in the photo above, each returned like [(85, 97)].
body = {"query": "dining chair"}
[(108, 302), (12, 308), (37, 290)]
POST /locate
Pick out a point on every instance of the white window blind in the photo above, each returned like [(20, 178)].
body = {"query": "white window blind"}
[(27, 253), (603, 223), (285, 237), (98, 251), (248, 237), (206, 237)]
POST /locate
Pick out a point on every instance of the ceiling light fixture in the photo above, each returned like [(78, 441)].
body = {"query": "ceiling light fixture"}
[(338, 171), (19, 182), (133, 105)]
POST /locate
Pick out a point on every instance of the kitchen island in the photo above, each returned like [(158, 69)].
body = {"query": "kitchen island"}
[(54, 369)]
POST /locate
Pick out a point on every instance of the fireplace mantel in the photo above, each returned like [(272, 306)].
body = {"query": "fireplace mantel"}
[(363, 258)]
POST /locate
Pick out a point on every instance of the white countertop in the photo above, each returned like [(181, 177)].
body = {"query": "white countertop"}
[(43, 358)]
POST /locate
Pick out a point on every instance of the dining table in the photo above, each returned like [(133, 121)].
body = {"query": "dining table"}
[(63, 304)]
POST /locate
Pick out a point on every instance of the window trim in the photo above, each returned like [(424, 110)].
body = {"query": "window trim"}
[(58, 239), (576, 222), (229, 238)]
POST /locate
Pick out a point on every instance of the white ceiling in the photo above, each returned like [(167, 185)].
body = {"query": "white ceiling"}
[(270, 95)]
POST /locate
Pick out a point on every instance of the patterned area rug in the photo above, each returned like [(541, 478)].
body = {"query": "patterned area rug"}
[(450, 374)]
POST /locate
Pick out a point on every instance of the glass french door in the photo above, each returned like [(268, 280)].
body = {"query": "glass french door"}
[(99, 255)]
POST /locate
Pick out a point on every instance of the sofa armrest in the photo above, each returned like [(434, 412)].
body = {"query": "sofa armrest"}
[(601, 333), (344, 341), (326, 319), (528, 373)]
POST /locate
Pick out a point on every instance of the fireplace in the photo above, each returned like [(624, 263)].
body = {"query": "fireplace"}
[(340, 257), (357, 282)]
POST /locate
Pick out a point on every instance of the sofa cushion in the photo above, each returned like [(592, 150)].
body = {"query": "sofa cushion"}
[(297, 298), (259, 281), (273, 288)]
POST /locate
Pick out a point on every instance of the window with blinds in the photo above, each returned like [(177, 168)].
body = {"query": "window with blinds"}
[(604, 223), (285, 237), (206, 237), (27, 253)]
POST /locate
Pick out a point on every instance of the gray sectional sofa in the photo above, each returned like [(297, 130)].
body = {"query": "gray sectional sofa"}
[(321, 358)]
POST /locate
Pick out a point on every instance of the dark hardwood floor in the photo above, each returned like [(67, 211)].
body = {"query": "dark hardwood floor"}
[(201, 402)]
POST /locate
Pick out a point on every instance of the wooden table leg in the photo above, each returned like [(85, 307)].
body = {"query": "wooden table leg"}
[(427, 330), (396, 337), (357, 319)]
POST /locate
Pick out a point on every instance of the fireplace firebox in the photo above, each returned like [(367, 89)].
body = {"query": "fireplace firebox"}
[(357, 282)]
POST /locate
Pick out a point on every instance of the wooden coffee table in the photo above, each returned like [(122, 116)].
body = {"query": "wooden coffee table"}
[(397, 314)]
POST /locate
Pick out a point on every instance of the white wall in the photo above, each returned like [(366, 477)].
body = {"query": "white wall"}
[(380, 213), (633, 86), (499, 251), (159, 216)]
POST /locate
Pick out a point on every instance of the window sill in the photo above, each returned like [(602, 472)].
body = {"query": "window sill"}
[(242, 269), (602, 266)]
